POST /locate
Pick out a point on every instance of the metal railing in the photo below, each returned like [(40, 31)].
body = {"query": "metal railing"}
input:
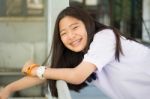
[(63, 91)]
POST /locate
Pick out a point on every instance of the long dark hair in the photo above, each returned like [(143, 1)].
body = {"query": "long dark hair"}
[(60, 55)]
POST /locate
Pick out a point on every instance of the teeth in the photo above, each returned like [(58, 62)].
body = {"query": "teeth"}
[(75, 43)]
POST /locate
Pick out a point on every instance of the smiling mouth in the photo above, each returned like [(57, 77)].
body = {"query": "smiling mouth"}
[(76, 42)]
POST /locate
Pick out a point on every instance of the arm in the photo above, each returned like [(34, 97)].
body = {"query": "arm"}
[(24, 83), (71, 75), (20, 84)]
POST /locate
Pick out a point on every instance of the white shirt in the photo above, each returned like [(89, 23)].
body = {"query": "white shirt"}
[(127, 79)]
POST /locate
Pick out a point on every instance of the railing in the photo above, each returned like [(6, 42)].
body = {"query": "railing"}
[(63, 91)]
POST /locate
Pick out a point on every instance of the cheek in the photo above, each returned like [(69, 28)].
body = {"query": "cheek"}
[(86, 39), (63, 40), (84, 32), (85, 35)]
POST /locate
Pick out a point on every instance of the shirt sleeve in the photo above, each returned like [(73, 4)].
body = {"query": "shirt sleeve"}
[(102, 49)]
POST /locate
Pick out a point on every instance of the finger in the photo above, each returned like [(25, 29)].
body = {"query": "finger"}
[(26, 66), (25, 69)]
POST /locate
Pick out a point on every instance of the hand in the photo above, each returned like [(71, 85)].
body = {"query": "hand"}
[(28, 69), (4, 93)]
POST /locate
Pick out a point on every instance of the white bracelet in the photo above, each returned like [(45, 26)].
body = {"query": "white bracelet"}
[(40, 72)]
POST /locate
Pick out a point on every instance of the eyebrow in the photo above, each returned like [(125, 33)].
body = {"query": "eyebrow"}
[(70, 26)]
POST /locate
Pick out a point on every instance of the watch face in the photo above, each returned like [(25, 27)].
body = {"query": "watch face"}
[(40, 72)]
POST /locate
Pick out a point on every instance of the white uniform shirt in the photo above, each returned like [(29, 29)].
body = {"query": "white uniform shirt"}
[(127, 79)]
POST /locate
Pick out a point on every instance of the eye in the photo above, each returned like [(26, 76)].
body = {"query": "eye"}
[(63, 33), (74, 28)]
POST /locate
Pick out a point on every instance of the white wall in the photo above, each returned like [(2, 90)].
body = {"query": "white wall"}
[(146, 17), (20, 40), (54, 7)]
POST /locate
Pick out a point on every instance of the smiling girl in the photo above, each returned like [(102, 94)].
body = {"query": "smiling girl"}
[(84, 51)]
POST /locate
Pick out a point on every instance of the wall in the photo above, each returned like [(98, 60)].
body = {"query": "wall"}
[(20, 40), (146, 18)]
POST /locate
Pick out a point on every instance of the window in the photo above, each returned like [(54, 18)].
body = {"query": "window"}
[(21, 8)]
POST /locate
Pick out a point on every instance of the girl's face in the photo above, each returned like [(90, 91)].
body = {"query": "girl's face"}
[(73, 33)]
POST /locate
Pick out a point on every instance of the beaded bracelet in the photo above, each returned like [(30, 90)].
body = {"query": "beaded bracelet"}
[(28, 72)]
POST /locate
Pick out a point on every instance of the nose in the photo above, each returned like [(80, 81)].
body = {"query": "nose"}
[(71, 35)]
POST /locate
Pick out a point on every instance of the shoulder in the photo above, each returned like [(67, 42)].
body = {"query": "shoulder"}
[(102, 48), (103, 36), (104, 32), (103, 39)]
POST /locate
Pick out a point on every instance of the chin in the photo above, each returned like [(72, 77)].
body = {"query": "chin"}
[(77, 50)]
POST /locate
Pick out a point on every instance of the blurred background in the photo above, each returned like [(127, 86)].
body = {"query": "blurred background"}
[(26, 29)]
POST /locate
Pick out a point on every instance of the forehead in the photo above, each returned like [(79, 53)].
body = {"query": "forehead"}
[(68, 21)]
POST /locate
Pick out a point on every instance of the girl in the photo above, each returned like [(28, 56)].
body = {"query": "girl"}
[(86, 51)]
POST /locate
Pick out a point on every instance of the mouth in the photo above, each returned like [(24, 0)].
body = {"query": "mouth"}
[(76, 42)]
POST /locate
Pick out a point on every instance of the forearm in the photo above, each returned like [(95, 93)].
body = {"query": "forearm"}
[(75, 75), (23, 83), (66, 74)]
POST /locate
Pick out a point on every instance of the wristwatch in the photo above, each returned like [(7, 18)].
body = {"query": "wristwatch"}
[(40, 72)]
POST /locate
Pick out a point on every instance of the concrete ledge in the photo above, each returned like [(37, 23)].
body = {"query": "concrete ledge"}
[(14, 55)]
